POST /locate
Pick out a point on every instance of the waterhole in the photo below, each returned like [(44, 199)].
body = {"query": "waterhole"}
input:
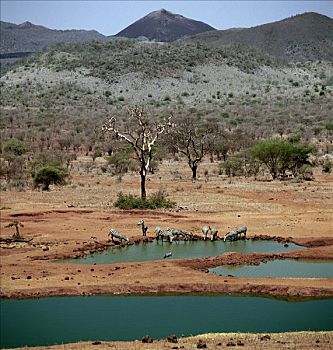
[(182, 250), (57, 320), (279, 268)]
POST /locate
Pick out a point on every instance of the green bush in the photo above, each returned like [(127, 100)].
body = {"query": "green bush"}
[(281, 155), (327, 167), (15, 147), (48, 175), (232, 167), (306, 172), (154, 201)]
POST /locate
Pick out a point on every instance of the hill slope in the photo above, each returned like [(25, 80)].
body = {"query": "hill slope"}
[(308, 36), (164, 26), (28, 37)]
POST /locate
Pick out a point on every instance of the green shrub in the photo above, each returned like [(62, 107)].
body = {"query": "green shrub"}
[(232, 167), (48, 175), (305, 172), (15, 147), (329, 126), (154, 201), (327, 167)]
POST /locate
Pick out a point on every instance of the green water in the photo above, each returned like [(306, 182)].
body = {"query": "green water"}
[(59, 320), (182, 250), (279, 268)]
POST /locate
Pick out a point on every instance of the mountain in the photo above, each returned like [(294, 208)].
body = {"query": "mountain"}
[(308, 36), (28, 37), (163, 25)]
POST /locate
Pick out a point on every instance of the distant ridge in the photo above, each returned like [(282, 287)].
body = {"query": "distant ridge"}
[(28, 37), (307, 36), (164, 26)]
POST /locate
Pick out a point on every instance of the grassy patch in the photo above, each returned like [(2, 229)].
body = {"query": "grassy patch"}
[(4, 208), (154, 201)]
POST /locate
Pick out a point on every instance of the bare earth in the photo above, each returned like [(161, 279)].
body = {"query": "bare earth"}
[(75, 220)]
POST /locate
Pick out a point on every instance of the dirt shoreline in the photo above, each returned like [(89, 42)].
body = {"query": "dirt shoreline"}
[(245, 341), (217, 285)]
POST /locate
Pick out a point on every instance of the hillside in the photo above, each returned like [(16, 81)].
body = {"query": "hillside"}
[(164, 26), (308, 36), (71, 89), (28, 37)]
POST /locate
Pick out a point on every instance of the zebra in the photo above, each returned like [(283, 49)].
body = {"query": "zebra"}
[(213, 233), (176, 233), (231, 235), (144, 227), (114, 234), (205, 231), (188, 236), (164, 234), (241, 230)]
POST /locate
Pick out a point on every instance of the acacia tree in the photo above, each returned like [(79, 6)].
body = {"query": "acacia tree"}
[(141, 134), (16, 224), (49, 174), (281, 155)]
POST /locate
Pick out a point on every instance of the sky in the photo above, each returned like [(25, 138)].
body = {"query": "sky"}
[(110, 17)]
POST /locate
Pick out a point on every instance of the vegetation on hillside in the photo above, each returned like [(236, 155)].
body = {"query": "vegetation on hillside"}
[(53, 106), (112, 59)]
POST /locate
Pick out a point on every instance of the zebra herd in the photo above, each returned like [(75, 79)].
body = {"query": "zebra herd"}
[(171, 234)]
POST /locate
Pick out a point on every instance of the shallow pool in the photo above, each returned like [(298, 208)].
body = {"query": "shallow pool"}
[(45, 321), (279, 268), (182, 250)]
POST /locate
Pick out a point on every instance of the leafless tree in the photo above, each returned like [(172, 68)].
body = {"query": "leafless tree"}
[(190, 138), (142, 135)]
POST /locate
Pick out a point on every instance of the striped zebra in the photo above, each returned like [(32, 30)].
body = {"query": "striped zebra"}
[(167, 234), (115, 234), (242, 230), (144, 227), (231, 235), (213, 233), (205, 231)]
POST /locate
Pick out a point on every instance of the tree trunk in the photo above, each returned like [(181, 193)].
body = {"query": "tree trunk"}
[(17, 231), (143, 184), (194, 172), (46, 186)]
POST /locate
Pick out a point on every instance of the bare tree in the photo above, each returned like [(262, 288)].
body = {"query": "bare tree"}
[(142, 136), (190, 138)]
